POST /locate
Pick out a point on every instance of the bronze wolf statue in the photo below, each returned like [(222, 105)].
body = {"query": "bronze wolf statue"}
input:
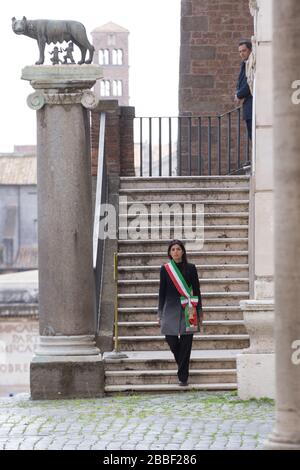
[(47, 31)]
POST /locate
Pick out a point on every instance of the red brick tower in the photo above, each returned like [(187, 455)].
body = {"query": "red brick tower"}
[(209, 67), (209, 61)]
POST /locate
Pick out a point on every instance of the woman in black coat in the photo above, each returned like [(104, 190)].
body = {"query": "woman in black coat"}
[(171, 316)]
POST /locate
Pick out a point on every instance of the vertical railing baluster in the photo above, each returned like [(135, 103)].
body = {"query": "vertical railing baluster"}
[(170, 146), (239, 139), (248, 150), (150, 146), (179, 148), (229, 142), (141, 146), (199, 146), (219, 145), (159, 148), (209, 145), (189, 146)]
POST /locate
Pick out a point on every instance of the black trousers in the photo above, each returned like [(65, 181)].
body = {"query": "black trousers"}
[(181, 348)]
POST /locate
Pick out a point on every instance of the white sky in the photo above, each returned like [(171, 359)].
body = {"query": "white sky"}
[(154, 39)]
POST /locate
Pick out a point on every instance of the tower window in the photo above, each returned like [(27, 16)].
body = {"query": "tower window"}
[(117, 57), (103, 56), (104, 88), (117, 88)]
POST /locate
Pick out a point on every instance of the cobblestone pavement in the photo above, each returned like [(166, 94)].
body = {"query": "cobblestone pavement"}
[(183, 421)]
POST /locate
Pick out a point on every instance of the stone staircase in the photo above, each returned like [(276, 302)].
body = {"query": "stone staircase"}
[(223, 269)]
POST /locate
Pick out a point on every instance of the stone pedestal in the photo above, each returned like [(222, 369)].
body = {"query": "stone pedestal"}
[(256, 365), (67, 363)]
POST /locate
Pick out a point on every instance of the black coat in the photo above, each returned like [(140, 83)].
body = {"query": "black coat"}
[(170, 311), (243, 92)]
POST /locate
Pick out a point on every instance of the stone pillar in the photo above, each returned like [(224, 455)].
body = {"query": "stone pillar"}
[(67, 362), (286, 56), (258, 360), (119, 138)]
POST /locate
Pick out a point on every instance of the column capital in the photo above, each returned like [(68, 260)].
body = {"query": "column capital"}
[(62, 84), (38, 99)]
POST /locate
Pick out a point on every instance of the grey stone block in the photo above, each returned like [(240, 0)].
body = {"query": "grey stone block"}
[(61, 380)]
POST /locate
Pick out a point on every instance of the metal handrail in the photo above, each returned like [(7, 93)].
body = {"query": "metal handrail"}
[(116, 354), (98, 238), (99, 188), (116, 348), (203, 116)]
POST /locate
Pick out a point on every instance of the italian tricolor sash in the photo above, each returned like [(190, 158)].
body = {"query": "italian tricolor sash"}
[(188, 301)]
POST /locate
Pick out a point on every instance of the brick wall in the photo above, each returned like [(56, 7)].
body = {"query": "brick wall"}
[(209, 68), (119, 146), (209, 61)]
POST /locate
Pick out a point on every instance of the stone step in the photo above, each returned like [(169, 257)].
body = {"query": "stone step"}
[(208, 244), (209, 218), (210, 327), (157, 377), (183, 182), (129, 209), (164, 231), (215, 271), (162, 388), (156, 343), (208, 299), (148, 362), (212, 313), (216, 208), (203, 258), (179, 193), (206, 285)]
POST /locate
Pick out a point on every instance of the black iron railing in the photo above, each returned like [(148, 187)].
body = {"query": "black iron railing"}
[(188, 145)]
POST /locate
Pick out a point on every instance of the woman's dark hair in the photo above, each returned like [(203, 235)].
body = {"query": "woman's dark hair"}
[(178, 242)]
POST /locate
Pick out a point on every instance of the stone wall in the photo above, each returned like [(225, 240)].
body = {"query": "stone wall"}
[(119, 145), (19, 328), (209, 68)]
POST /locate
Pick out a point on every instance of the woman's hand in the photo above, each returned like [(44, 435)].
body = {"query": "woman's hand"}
[(158, 320)]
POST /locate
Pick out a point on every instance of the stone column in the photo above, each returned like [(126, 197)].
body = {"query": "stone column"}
[(255, 366), (67, 362), (286, 56)]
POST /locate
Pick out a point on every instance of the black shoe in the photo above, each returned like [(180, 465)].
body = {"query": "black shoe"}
[(183, 384)]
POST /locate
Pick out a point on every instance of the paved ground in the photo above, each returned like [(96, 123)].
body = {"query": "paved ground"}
[(186, 421)]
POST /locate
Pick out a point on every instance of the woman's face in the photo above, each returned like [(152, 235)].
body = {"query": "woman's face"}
[(176, 253)]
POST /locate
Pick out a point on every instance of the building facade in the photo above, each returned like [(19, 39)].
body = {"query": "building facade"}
[(18, 212)]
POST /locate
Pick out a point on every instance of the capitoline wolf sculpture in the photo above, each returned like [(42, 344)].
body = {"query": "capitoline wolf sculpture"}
[(47, 31)]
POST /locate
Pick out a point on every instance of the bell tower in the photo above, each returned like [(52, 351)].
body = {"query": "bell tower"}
[(111, 52)]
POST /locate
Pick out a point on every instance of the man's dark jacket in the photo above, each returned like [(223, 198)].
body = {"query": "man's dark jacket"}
[(243, 92)]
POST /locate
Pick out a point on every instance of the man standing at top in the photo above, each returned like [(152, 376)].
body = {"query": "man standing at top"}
[(243, 93)]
